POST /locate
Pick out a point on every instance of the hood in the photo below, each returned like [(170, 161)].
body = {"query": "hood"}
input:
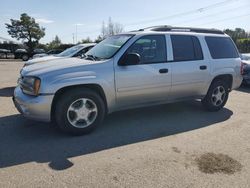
[(61, 64), (42, 59)]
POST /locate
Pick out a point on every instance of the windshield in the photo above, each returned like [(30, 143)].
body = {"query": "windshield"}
[(245, 57), (108, 47), (70, 51)]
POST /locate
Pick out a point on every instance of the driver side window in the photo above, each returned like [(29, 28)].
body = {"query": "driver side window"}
[(151, 49)]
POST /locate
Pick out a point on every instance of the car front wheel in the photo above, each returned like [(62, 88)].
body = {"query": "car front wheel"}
[(79, 111)]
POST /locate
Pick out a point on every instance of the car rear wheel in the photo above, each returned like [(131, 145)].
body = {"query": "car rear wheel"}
[(217, 96), (79, 111)]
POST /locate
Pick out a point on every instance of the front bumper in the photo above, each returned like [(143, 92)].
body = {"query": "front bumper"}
[(37, 108)]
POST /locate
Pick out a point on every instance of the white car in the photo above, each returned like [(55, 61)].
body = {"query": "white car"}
[(75, 51), (246, 57), (246, 68), (49, 53)]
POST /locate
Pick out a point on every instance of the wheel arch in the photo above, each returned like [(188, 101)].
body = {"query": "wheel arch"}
[(95, 87), (228, 78)]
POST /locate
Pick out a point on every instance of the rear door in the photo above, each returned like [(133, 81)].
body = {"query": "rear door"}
[(150, 80), (190, 70)]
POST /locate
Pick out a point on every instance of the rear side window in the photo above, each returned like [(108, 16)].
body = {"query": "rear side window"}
[(186, 48), (221, 47)]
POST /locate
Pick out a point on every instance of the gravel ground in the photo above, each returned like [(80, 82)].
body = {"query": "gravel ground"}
[(174, 145)]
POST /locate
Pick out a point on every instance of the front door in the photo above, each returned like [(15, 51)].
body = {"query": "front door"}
[(150, 80)]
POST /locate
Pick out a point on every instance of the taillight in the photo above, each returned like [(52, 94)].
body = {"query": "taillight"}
[(242, 68)]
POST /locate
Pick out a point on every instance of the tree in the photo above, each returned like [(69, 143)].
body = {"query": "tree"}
[(111, 28), (103, 31), (87, 40), (243, 45), (55, 43), (26, 29), (98, 39), (241, 39), (236, 34)]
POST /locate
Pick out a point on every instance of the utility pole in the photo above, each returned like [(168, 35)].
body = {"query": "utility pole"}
[(73, 38), (76, 33)]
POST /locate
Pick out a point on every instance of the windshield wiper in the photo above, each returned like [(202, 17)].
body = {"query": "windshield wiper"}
[(91, 57)]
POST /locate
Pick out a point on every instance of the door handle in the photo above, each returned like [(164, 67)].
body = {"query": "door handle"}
[(163, 71), (203, 67)]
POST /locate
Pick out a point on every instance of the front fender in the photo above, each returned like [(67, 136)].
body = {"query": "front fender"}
[(51, 86)]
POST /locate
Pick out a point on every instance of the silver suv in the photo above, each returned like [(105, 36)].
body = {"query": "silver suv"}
[(151, 66)]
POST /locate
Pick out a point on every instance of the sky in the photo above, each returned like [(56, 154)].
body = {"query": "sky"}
[(65, 18)]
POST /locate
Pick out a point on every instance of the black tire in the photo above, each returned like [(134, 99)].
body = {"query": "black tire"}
[(25, 57), (63, 104), (208, 101)]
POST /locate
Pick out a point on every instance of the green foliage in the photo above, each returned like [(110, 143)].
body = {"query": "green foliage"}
[(26, 29), (241, 39), (87, 40), (55, 44), (243, 45), (236, 34), (42, 46), (99, 39)]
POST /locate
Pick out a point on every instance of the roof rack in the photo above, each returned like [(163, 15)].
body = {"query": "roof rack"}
[(167, 28)]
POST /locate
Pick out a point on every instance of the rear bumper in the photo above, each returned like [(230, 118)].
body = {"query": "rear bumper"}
[(37, 108), (237, 81)]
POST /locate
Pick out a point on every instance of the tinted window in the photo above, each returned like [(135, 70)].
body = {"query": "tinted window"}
[(152, 49), (186, 48), (221, 47)]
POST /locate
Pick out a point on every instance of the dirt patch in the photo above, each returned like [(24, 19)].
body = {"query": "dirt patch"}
[(115, 178), (176, 150), (217, 163)]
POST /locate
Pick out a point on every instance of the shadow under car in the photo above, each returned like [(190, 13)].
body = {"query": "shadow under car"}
[(24, 141)]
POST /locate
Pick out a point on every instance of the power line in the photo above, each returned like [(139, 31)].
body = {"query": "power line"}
[(195, 11), (210, 15), (199, 10), (231, 18)]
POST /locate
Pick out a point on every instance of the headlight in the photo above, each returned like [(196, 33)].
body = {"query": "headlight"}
[(30, 85)]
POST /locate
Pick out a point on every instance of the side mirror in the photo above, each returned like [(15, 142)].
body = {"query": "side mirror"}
[(130, 59)]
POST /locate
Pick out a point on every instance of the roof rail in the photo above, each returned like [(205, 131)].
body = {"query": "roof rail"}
[(166, 28)]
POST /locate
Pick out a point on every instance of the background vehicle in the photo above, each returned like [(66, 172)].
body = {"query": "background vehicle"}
[(246, 68), (147, 67), (75, 51), (50, 52), (4, 53), (24, 55)]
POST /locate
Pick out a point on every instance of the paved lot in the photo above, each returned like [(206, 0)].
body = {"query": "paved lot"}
[(151, 147)]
